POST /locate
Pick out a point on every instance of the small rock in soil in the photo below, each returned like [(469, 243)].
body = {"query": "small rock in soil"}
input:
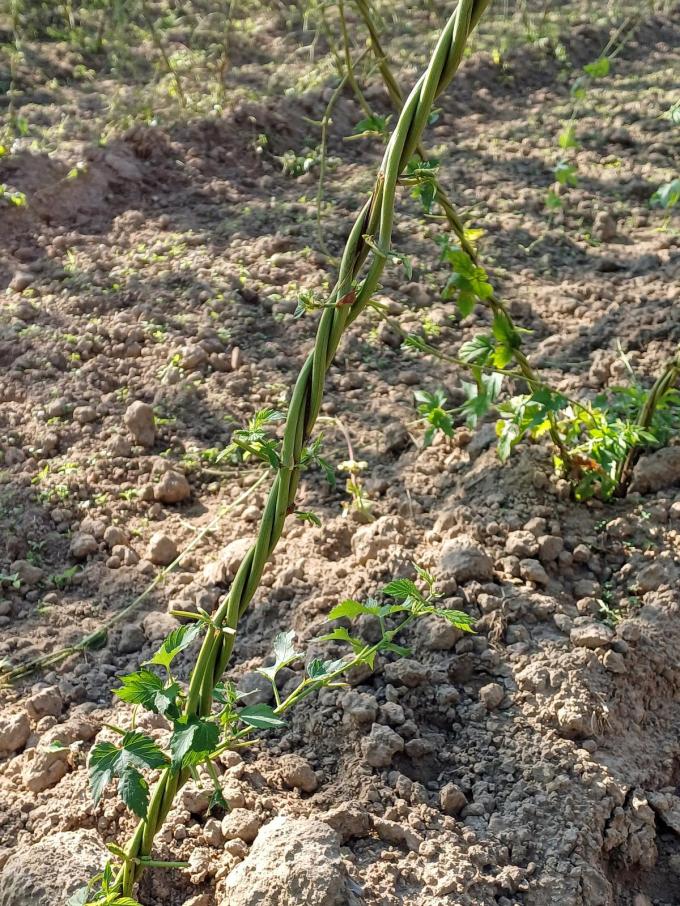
[(604, 226), (657, 471), (452, 799), (28, 573), (406, 672), (172, 488), (131, 639), (49, 872), (14, 732), (162, 549), (45, 770), (491, 695), (349, 820), (47, 701), (380, 746), (140, 423), (533, 571), (83, 545), (240, 824), (464, 559), (614, 662), (21, 281), (294, 861), (592, 635), (297, 773)]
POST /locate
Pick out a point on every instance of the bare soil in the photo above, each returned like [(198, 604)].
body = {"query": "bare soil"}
[(167, 271)]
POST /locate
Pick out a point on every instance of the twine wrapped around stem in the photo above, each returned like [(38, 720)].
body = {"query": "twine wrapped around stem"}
[(369, 241)]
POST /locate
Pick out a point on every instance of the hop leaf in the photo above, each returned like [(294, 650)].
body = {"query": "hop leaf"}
[(261, 717), (193, 739), (147, 689), (177, 641), (108, 761)]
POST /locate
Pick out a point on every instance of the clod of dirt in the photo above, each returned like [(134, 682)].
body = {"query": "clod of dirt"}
[(656, 471), (14, 732), (21, 281), (45, 769), (240, 824), (464, 559), (49, 872), (162, 549), (44, 702), (172, 488), (294, 861), (297, 773), (591, 635), (380, 746), (452, 799), (491, 695), (667, 807), (604, 226), (82, 545), (140, 423)]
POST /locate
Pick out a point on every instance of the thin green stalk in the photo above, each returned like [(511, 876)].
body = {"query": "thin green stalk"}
[(494, 303), (348, 299), (665, 382), (363, 103)]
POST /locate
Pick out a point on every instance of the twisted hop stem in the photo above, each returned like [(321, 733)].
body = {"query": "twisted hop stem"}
[(666, 381), (345, 304), (498, 308)]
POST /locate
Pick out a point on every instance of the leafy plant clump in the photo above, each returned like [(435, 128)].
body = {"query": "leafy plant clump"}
[(196, 742)]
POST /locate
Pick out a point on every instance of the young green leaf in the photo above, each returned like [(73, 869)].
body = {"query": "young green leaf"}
[(458, 619), (102, 764), (402, 589), (192, 740), (284, 654), (342, 635), (177, 641), (598, 69), (142, 751), (261, 717), (147, 689), (134, 791), (667, 195), (348, 609), (108, 761), (318, 669)]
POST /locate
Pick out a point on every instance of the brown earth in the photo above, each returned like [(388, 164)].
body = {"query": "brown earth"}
[(167, 272)]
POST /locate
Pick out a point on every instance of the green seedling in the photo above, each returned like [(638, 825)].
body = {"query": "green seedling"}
[(230, 724)]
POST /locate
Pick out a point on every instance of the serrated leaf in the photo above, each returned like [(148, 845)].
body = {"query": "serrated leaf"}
[(284, 648), (177, 641), (400, 650), (401, 589), (477, 350), (567, 138), (217, 800), (318, 669), (134, 791), (457, 618), (142, 750), (147, 689), (192, 741), (101, 766), (342, 635), (262, 717), (348, 609)]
